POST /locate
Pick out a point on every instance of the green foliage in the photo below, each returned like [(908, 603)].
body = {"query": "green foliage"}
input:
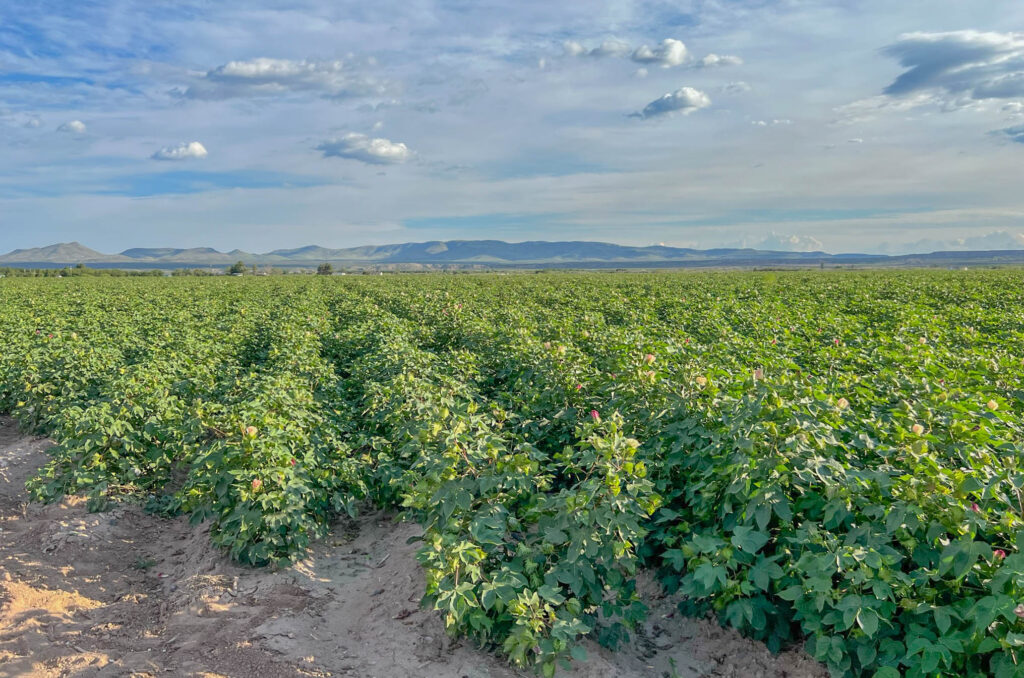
[(828, 459)]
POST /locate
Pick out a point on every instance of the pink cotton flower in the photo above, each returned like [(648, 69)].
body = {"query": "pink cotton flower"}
[(579, 386), (595, 416), (975, 508), (649, 358), (999, 554), (256, 484)]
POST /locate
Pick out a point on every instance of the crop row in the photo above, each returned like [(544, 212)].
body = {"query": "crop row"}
[(829, 458)]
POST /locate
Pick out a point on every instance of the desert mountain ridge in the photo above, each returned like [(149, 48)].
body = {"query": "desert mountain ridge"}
[(487, 253)]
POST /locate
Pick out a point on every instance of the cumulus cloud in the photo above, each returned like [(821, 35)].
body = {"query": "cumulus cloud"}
[(684, 100), (608, 48), (714, 60), (959, 64), (375, 151), (275, 77), (670, 53), (790, 243), (73, 127), (182, 151)]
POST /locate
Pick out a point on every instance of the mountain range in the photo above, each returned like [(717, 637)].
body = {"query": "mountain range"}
[(488, 254)]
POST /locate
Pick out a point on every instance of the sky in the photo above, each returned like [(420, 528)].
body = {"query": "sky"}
[(844, 126)]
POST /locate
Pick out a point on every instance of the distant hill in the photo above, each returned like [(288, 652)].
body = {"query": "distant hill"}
[(63, 253), (492, 254)]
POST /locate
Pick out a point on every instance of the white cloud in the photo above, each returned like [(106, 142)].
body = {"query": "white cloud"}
[(574, 48), (33, 123), (275, 77), (1014, 108), (959, 64), (790, 243), (670, 53), (684, 100), (182, 151), (855, 140), (713, 60), (73, 126), (375, 151), (611, 48), (608, 48)]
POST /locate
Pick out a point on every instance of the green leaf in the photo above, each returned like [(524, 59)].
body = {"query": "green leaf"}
[(551, 594), (748, 539), (867, 620)]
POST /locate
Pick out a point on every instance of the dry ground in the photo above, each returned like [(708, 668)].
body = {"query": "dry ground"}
[(124, 593)]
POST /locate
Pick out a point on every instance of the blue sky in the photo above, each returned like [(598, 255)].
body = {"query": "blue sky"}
[(869, 125)]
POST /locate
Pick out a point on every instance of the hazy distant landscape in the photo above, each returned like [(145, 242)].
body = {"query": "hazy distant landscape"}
[(494, 254)]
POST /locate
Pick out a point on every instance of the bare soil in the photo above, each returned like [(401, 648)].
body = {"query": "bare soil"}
[(125, 593)]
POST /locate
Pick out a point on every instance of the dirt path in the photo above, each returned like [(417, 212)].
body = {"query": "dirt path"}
[(124, 593)]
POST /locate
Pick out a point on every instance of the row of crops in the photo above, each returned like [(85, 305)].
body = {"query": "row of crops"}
[(822, 458)]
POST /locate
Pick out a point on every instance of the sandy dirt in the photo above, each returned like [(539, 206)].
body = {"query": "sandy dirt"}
[(124, 593)]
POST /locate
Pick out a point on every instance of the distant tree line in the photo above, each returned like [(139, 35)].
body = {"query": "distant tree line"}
[(79, 270)]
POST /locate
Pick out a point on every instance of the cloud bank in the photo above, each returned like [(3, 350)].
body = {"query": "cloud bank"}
[(275, 77), (670, 53), (959, 64)]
